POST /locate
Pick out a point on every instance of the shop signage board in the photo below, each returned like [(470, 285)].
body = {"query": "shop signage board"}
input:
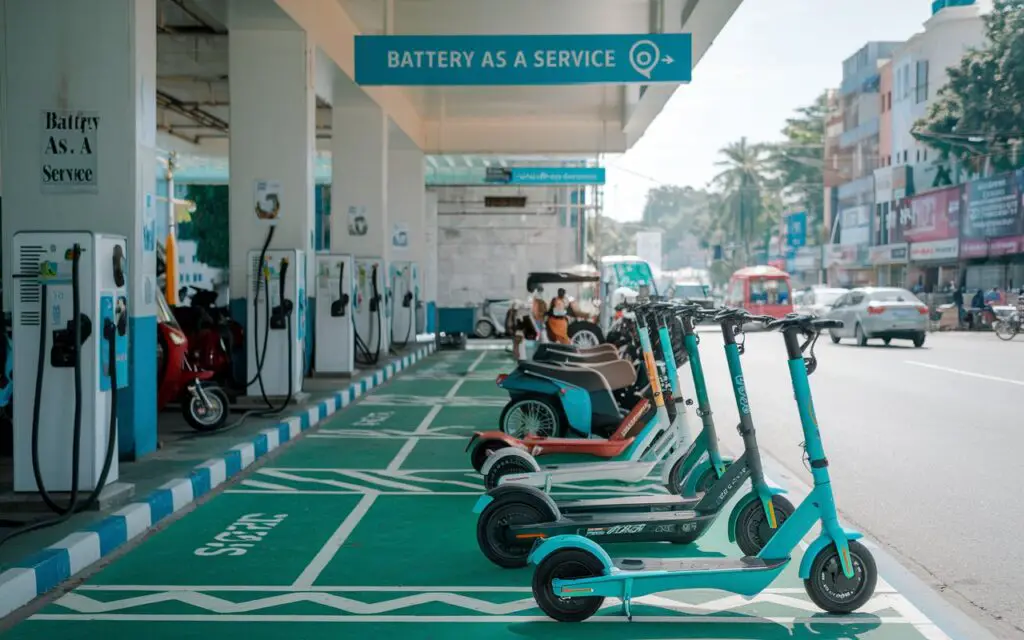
[(993, 208), (537, 60), (796, 229), (545, 176), (935, 250), (928, 217), (889, 254)]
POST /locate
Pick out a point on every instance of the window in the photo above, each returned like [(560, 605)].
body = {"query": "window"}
[(195, 258), (769, 291), (855, 298), (888, 99), (841, 302), (514, 202), (922, 81), (199, 277), (181, 259)]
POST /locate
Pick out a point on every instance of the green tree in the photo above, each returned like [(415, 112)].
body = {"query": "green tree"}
[(209, 224), (798, 163), (743, 183), (979, 113)]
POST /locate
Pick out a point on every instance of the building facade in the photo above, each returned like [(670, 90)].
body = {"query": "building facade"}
[(847, 255)]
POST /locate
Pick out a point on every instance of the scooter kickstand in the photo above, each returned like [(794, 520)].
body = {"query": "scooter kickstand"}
[(627, 594)]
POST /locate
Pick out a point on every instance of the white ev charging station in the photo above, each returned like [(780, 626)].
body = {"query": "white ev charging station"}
[(275, 332), (372, 324), (405, 296), (58, 276), (334, 347)]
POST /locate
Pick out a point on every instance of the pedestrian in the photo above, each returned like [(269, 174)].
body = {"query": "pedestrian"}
[(958, 300), (558, 320)]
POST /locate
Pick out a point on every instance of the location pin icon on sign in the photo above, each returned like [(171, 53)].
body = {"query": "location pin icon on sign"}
[(644, 56)]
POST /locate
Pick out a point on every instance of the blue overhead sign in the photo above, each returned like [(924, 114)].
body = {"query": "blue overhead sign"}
[(796, 229), (523, 59), (545, 175)]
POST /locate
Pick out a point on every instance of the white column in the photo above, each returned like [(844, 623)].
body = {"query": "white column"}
[(406, 243), (430, 258), (273, 146), (95, 62), (359, 178), (273, 139)]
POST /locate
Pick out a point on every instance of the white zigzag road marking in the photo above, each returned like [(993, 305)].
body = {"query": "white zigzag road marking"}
[(256, 484), (84, 604), (274, 473), (366, 477), (79, 603), (430, 401), (479, 486)]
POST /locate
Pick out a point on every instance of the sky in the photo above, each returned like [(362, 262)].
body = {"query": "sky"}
[(771, 58)]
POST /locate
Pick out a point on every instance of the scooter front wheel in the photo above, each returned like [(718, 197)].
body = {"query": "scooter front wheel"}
[(753, 530), (203, 417), (830, 589), (566, 564)]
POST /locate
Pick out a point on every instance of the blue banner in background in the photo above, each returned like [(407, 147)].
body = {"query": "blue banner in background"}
[(490, 60), (545, 175), (796, 229)]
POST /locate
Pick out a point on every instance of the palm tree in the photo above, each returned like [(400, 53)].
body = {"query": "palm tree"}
[(743, 182)]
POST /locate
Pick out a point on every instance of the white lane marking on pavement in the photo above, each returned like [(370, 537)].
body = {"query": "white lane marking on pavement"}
[(355, 589), (473, 619), (333, 544), (971, 374), (411, 443), (257, 484), (424, 426)]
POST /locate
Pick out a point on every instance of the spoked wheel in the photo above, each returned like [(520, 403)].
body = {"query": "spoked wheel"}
[(585, 334), (492, 530), (482, 451), (506, 466), (566, 564), (483, 329), (831, 590), (531, 417), (753, 530), (1006, 329), (203, 417)]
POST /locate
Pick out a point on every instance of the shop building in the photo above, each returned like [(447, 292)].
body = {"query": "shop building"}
[(992, 232), (930, 224)]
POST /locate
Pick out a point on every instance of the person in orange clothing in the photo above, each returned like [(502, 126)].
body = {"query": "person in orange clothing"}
[(558, 319)]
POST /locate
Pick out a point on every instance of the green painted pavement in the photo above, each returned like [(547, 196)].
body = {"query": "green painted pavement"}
[(378, 535), (234, 540)]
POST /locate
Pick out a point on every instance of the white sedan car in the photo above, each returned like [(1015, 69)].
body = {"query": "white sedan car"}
[(884, 313)]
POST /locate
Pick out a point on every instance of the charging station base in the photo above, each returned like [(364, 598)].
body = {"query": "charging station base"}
[(114, 495), (249, 403)]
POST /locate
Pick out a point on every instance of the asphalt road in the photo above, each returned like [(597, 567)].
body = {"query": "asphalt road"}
[(926, 450)]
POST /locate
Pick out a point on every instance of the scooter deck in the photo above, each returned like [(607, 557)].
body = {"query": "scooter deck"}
[(631, 504), (676, 526), (746, 563)]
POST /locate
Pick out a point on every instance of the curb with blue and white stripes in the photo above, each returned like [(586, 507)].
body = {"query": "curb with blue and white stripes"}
[(46, 570)]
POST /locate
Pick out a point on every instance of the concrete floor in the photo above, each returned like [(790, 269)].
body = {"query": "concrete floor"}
[(924, 448)]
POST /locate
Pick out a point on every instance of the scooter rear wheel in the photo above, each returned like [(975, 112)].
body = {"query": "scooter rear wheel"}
[(753, 531), (831, 590), (532, 416), (498, 517), (504, 467), (480, 452), (566, 564)]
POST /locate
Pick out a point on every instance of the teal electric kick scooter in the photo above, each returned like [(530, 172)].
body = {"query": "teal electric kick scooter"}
[(574, 574)]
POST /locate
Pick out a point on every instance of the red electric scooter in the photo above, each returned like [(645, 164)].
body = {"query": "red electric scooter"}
[(204, 405)]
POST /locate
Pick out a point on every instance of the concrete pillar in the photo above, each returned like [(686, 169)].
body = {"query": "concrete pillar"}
[(95, 61), (359, 178), (430, 259), (273, 121), (406, 245)]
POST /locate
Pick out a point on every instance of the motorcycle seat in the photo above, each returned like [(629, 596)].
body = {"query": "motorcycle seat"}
[(583, 377), (619, 374), (604, 346)]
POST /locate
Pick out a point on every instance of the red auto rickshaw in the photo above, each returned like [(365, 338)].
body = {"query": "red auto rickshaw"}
[(761, 290)]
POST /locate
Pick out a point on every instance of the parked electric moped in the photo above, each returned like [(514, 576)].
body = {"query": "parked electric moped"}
[(574, 574), (512, 517), (661, 437)]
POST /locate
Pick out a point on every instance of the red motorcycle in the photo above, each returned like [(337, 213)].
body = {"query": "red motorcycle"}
[(212, 334), (204, 405)]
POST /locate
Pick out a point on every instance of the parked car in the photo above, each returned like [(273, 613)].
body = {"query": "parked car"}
[(692, 292), (884, 313), (818, 300)]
